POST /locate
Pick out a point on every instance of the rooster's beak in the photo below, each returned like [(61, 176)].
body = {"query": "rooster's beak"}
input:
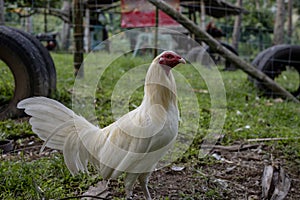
[(181, 60)]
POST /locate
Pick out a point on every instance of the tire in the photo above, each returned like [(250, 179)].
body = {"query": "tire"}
[(256, 62), (198, 54), (273, 62), (259, 58), (228, 65), (27, 67), (50, 67)]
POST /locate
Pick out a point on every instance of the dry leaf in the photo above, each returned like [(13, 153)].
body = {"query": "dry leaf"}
[(275, 183)]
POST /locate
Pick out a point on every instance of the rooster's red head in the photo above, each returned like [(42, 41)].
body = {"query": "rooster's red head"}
[(170, 59)]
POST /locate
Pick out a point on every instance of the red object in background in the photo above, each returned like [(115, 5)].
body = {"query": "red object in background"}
[(141, 13)]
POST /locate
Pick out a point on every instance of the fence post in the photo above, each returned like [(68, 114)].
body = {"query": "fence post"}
[(78, 37), (2, 18)]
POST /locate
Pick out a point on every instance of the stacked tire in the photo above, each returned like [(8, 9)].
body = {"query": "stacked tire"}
[(198, 54), (31, 65), (273, 61), (228, 65)]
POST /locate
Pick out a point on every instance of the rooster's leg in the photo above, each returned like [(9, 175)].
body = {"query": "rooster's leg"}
[(143, 179), (129, 182)]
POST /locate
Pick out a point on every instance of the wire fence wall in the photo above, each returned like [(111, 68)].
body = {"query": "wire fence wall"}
[(54, 22), (102, 21), (228, 98)]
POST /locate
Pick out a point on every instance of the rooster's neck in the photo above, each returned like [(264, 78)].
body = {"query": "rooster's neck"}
[(160, 87)]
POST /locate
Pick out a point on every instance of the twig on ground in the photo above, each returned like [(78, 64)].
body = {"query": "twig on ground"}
[(238, 147), (272, 139), (83, 196)]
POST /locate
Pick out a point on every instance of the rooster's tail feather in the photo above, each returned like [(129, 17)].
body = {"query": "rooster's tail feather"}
[(47, 116), (62, 129)]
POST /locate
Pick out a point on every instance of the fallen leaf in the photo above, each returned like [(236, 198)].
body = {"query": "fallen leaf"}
[(275, 183), (177, 168)]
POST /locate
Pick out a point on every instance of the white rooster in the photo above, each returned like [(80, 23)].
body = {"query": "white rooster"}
[(133, 144)]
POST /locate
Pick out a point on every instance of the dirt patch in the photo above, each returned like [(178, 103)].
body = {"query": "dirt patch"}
[(28, 147), (227, 173)]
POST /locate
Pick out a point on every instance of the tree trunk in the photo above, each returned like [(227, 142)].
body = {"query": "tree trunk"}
[(45, 21), (78, 37), (215, 45), (290, 21), (202, 18), (28, 23), (65, 36), (279, 23), (2, 18), (66, 30), (257, 4), (87, 34), (237, 28)]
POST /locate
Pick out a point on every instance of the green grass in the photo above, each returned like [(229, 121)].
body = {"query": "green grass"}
[(43, 178), (266, 117), (7, 84), (289, 79), (247, 117)]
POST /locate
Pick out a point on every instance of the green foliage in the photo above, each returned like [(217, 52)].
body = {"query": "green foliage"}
[(54, 24), (259, 19), (256, 28), (297, 5), (7, 84), (14, 129), (265, 117), (34, 3), (65, 77), (44, 178)]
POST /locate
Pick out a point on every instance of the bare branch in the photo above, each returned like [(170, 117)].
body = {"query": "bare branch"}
[(51, 11)]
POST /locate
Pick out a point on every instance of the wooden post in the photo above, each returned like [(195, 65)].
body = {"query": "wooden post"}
[(28, 23), (202, 13), (87, 34), (45, 19), (215, 45), (78, 37), (46, 12), (290, 21), (66, 29), (2, 19), (156, 32), (237, 28), (279, 23)]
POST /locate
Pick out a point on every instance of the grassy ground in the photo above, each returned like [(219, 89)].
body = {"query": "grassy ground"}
[(27, 175)]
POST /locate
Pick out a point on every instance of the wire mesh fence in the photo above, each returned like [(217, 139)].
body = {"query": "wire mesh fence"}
[(117, 38), (53, 20), (54, 23)]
